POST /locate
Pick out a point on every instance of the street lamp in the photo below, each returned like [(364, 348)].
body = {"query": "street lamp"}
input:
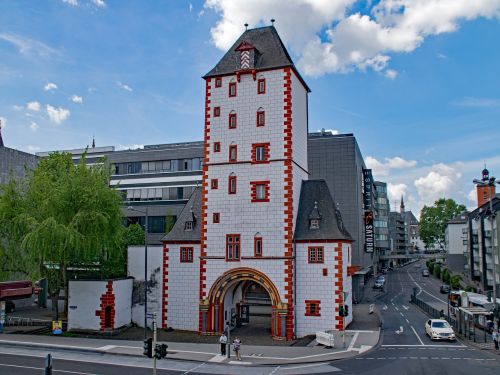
[(145, 269), (491, 183)]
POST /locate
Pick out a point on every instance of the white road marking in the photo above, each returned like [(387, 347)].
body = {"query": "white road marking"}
[(403, 346), (303, 366), (239, 363), (276, 369), (416, 334), (41, 368), (396, 308), (217, 359), (401, 314), (353, 341), (405, 307), (407, 321), (193, 369)]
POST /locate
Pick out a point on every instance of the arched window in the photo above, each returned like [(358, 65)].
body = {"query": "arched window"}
[(261, 117), (232, 88), (261, 84), (232, 120), (257, 245)]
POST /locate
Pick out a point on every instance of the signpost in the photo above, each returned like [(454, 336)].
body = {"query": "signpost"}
[(57, 327), (2, 315)]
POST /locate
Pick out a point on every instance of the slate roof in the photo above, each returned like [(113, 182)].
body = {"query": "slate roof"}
[(330, 226), (178, 233), (410, 218), (271, 53)]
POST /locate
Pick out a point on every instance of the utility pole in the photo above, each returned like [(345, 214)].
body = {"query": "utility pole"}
[(154, 343), (228, 346)]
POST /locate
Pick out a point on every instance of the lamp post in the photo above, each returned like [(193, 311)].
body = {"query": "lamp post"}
[(491, 183), (145, 269)]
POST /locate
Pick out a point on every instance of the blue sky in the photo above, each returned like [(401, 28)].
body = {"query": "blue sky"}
[(417, 84)]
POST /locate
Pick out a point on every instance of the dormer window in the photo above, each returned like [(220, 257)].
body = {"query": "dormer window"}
[(314, 224), (188, 225), (314, 217)]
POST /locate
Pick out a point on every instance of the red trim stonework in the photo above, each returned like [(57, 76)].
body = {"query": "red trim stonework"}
[(254, 191), (317, 311), (288, 195), (107, 300), (204, 207), (339, 284), (267, 147), (164, 291)]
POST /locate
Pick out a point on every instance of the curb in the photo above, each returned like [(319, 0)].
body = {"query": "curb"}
[(4, 343)]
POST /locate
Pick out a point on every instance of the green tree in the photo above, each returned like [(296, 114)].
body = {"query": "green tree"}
[(455, 281), (433, 221), (437, 270), (66, 216)]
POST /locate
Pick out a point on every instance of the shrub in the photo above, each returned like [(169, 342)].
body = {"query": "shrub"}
[(437, 271), (455, 281)]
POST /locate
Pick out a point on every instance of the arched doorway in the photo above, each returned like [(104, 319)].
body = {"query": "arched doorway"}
[(235, 294)]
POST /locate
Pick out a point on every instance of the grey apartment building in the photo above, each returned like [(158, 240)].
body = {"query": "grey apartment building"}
[(381, 223)]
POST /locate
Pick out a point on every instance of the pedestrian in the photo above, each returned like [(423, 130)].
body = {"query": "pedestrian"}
[(496, 338), (237, 348), (223, 343)]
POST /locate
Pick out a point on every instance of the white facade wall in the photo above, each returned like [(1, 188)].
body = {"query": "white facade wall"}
[(299, 122), (454, 237), (135, 265), (312, 285), (183, 289), (85, 299)]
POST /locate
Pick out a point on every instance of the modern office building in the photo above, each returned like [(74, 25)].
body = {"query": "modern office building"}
[(337, 159), (158, 179), (381, 224)]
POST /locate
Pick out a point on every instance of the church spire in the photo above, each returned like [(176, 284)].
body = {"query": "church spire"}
[(93, 142), (402, 206)]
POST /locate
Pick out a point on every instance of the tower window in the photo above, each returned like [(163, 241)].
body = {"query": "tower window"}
[(188, 225), (315, 254), (260, 191), (232, 185), (314, 224), (216, 146), (216, 217), (218, 82), (261, 118), (233, 153), (186, 254), (312, 308), (232, 247), (216, 111), (260, 153), (232, 121), (257, 246), (261, 86), (232, 89), (214, 183)]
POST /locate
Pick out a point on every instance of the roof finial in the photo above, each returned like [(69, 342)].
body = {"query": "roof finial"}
[(246, 26), (272, 21), (93, 141)]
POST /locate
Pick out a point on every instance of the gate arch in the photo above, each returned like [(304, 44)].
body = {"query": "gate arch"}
[(211, 309)]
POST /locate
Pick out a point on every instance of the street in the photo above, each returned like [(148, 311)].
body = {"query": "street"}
[(404, 347)]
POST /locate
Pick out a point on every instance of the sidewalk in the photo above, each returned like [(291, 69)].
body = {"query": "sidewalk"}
[(356, 342)]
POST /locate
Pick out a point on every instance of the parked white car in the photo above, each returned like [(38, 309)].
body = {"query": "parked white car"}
[(439, 329)]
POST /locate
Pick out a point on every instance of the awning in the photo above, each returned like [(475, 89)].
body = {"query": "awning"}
[(475, 311)]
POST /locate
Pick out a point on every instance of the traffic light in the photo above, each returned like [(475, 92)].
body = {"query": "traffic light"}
[(163, 350), (157, 351), (346, 310), (341, 311), (148, 348)]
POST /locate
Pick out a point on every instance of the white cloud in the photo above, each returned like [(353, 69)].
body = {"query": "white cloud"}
[(27, 46), (33, 106), (71, 2), (57, 115), (381, 169), (130, 147), (328, 37), (32, 148), (124, 86), (478, 102), (442, 56), (99, 3), (76, 99), (50, 86), (472, 196), (3, 122), (391, 73), (190, 7), (438, 182), (395, 191), (16, 107), (34, 126)]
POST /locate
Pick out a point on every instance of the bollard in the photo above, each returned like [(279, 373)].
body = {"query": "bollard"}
[(48, 365)]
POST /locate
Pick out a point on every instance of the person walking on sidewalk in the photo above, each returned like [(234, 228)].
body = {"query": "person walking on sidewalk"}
[(496, 338), (237, 348), (223, 343)]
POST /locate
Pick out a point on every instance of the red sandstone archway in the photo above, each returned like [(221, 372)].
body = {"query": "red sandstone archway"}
[(211, 310)]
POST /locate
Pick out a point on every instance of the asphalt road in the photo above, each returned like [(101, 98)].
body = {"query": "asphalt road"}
[(404, 348)]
